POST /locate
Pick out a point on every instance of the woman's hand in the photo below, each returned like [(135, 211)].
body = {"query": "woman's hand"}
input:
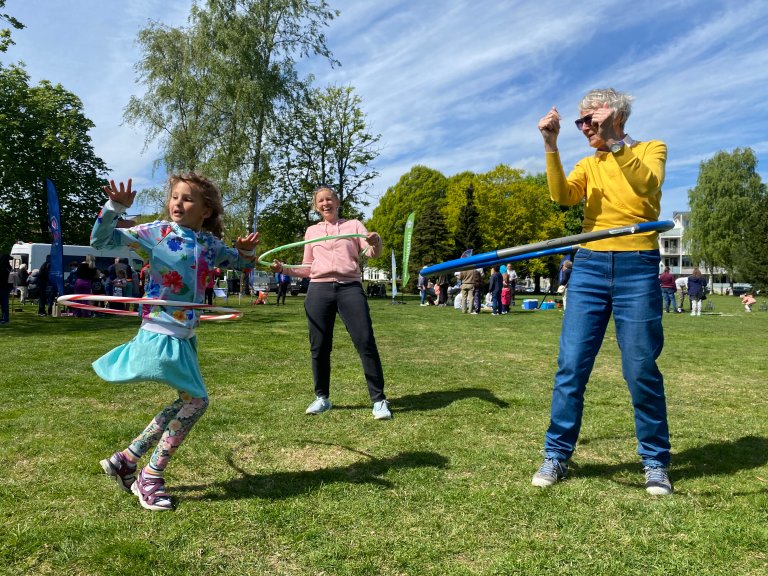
[(549, 126), (122, 194), (276, 266)]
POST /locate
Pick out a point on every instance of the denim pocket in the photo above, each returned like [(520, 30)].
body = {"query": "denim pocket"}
[(582, 255), (651, 257)]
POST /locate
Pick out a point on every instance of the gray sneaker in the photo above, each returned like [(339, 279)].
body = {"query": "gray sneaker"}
[(319, 405), (550, 472), (657, 482)]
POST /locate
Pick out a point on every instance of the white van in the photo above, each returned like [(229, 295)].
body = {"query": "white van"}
[(33, 254)]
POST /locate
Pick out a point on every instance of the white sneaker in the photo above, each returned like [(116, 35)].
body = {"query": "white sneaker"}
[(381, 410), (318, 406)]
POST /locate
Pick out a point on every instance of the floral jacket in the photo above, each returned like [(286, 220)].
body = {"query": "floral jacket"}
[(180, 263)]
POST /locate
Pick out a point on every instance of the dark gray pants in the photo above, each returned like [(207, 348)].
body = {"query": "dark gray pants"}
[(323, 301)]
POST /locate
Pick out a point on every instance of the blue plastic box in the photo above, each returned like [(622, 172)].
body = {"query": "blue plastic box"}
[(530, 304)]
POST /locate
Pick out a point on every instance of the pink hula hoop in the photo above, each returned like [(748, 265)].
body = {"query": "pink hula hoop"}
[(76, 301)]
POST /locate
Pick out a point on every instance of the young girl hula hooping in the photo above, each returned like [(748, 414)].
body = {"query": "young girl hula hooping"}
[(181, 253)]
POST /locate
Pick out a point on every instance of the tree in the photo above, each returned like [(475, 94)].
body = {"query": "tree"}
[(750, 257), (431, 242), (212, 88), (722, 203), (414, 192), (45, 135), (323, 138), (468, 232), (5, 33)]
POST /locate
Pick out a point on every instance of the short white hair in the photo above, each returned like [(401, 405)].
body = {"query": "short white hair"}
[(619, 101)]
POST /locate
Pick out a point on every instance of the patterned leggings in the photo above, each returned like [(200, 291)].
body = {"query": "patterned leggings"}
[(168, 429)]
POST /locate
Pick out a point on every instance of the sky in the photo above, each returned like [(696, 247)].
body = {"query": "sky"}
[(459, 85)]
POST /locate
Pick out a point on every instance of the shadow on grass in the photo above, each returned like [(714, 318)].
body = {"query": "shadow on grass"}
[(434, 400), (278, 485), (714, 459)]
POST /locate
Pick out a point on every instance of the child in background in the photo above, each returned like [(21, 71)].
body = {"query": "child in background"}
[(748, 300), (181, 254)]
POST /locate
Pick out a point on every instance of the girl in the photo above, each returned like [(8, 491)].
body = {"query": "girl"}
[(748, 300), (181, 254), (334, 286)]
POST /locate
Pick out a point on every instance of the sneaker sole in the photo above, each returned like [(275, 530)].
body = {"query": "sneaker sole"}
[(542, 482), (109, 470), (147, 505), (380, 417), (659, 491)]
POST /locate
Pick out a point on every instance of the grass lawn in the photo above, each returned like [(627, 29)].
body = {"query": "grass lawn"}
[(442, 489)]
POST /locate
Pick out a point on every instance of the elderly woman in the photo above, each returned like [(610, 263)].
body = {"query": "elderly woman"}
[(620, 183)]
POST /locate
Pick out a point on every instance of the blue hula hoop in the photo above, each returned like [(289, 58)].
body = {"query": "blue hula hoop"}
[(541, 249)]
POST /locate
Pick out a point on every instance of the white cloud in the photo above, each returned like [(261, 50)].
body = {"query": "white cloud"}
[(460, 85)]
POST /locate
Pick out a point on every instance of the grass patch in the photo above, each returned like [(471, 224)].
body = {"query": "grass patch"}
[(442, 489)]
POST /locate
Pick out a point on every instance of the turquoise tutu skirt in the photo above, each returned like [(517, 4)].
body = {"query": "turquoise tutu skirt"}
[(155, 357)]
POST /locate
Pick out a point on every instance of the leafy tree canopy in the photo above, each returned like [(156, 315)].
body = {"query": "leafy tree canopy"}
[(45, 135), (414, 192), (722, 203)]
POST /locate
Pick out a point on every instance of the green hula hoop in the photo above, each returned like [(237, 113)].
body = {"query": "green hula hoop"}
[(264, 258)]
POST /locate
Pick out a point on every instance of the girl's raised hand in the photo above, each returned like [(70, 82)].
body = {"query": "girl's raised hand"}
[(122, 194), (248, 243)]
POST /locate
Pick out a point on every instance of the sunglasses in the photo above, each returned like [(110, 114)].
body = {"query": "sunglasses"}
[(585, 120)]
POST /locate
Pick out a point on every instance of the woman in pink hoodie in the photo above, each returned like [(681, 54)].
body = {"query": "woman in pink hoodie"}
[(335, 287)]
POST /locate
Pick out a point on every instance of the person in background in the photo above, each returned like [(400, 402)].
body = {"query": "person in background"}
[(465, 277), (47, 292), (494, 287), (748, 300), (335, 289), (422, 285), (283, 285), (512, 282), (697, 286), (71, 278), (22, 282), (620, 184), (682, 285), (506, 290), (444, 282), (5, 287), (668, 289), (477, 290), (563, 277)]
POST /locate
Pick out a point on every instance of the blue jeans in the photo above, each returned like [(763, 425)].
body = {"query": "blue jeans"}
[(625, 284), (669, 298)]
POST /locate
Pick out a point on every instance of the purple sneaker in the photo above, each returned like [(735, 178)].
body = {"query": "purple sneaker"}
[(151, 492), (120, 468)]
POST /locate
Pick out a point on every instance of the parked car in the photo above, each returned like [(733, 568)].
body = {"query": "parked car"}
[(263, 281), (299, 285), (741, 288)]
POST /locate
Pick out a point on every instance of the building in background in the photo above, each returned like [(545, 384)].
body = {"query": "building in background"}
[(676, 254)]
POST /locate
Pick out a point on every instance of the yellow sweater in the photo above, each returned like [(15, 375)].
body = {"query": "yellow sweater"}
[(621, 189)]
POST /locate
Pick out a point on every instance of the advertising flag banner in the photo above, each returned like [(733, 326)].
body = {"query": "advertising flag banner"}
[(56, 274), (407, 247), (394, 276)]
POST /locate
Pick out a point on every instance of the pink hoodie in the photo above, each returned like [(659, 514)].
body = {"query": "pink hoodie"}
[(334, 260)]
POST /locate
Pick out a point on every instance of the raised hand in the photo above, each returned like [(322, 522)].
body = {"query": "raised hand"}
[(549, 126), (248, 243), (122, 194)]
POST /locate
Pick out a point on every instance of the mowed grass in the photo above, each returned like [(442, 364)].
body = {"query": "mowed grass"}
[(442, 489)]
